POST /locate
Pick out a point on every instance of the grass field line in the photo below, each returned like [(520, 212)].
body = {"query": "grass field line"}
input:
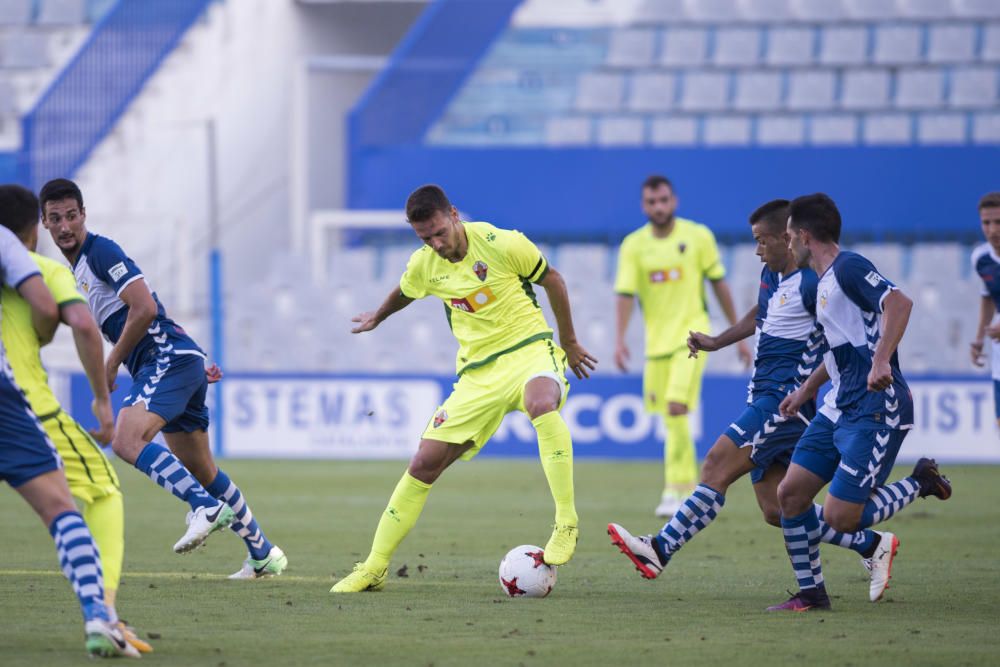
[(166, 575)]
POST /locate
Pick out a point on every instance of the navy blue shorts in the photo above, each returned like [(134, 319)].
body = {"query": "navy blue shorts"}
[(173, 387), (771, 436), (866, 459), (25, 450), (816, 451)]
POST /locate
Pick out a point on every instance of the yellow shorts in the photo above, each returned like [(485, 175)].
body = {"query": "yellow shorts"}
[(88, 471), (481, 397), (675, 378)]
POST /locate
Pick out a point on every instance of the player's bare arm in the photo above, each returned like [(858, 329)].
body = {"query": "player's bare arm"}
[(725, 298), (895, 315), (393, 303), (90, 350), (986, 311), (703, 342), (44, 312), (578, 358), (623, 313), (141, 313), (790, 404)]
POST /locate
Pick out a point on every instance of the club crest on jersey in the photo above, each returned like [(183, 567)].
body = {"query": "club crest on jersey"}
[(822, 299), (665, 275), (480, 268), (783, 299), (476, 301), (682, 247), (440, 418), (85, 286)]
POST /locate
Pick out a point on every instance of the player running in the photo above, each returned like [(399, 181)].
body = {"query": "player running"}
[(169, 384), (91, 478), (760, 441), (506, 361), (986, 264), (665, 263), (866, 415), (28, 459)]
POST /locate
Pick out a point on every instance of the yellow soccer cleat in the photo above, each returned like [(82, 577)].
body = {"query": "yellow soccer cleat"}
[(360, 580), (561, 545), (132, 638)]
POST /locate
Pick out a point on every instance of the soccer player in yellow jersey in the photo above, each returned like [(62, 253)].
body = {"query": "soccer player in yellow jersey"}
[(506, 361), (665, 263), (92, 480)]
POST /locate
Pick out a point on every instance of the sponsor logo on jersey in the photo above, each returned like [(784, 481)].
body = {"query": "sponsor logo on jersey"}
[(666, 275), (480, 268), (118, 271), (440, 418), (476, 301), (873, 278)]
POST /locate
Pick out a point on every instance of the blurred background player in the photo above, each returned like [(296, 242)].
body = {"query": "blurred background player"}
[(28, 459), (169, 384), (986, 264), (91, 478), (665, 263), (854, 442), (506, 361)]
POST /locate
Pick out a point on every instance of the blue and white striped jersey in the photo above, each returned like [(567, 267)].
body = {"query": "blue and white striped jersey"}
[(102, 271), (16, 266), (851, 293), (986, 264), (789, 344)]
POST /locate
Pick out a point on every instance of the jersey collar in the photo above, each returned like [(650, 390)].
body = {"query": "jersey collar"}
[(85, 248)]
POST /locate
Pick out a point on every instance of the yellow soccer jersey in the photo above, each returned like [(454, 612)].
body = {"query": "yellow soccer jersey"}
[(668, 275), (20, 340), (488, 296)]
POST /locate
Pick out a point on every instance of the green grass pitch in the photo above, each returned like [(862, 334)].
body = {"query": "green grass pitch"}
[(706, 609)]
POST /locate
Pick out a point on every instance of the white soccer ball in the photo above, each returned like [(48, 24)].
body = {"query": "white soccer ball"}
[(523, 573)]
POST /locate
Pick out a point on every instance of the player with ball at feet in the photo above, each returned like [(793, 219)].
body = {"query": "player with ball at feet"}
[(506, 361)]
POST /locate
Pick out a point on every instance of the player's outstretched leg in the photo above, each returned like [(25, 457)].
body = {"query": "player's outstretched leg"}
[(263, 559), (876, 549), (555, 448)]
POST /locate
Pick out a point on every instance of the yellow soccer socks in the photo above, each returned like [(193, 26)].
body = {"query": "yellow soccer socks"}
[(555, 448), (678, 456), (105, 517), (405, 505)]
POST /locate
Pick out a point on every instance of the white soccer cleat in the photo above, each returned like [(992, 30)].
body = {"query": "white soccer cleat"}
[(202, 522), (271, 566), (879, 566), (105, 640), (670, 502), (639, 549)]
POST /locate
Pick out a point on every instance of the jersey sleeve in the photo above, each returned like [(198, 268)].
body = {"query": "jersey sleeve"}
[(526, 258), (16, 264), (763, 295), (62, 284), (627, 275), (976, 258), (807, 288), (111, 265), (412, 283), (862, 283), (709, 259)]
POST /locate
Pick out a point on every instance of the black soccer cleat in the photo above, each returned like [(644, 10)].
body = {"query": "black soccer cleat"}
[(932, 482)]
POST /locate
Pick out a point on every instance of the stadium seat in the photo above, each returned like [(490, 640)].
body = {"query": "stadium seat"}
[(986, 128), (600, 91), (864, 89), (349, 267), (24, 50), (620, 131), (8, 98), (674, 131), (757, 91), (704, 91), (843, 45), (811, 89), (684, 47), (942, 128), (651, 91), (951, 43), (61, 12), (631, 47), (870, 10), (833, 129), (766, 11), (938, 263), (918, 89), (887, 128), (991, 43), (567, 130), (789, 46), (738, 47), (15, 12), (925, 9), (781, 130), (585, 261), (897, 45), (713, 11), (819, 11), (661, 11), (977, 8), (973, 87), (887, 258)]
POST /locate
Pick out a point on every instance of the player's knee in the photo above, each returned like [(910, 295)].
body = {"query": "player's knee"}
[(791, 500), (126, 446), (425, 469), (840, 522), (538, 406), (677, 409), (772, 515)]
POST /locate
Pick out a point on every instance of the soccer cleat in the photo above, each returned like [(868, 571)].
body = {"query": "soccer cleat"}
[(932, 482), (360, 580), (561, 545), (105, 640), (670, 502), (128, 632), (202, 522), (813, 598), (639, 549), (879, 566), (271, 566)]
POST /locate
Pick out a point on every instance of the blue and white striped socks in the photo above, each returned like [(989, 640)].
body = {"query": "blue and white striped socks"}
[(697, 511), (166, 470), (862, 541), (81, 563), (245, 525), (889, 499), (802, 539)]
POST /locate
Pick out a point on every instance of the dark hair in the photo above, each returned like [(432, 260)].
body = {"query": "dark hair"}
[(818, 215), (18, 209), (656, 180), (59, 189), (773, 215), (425, 201), (990, 200)]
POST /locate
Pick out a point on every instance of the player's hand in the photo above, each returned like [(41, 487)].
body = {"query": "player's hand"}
[(976, 351), (105, 430), (698, 342), (213, 373), (880, 376), (579, 359), (111, 374), (791, 404), (746, 356), (621, 357), (366, 322), (993, 331)]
